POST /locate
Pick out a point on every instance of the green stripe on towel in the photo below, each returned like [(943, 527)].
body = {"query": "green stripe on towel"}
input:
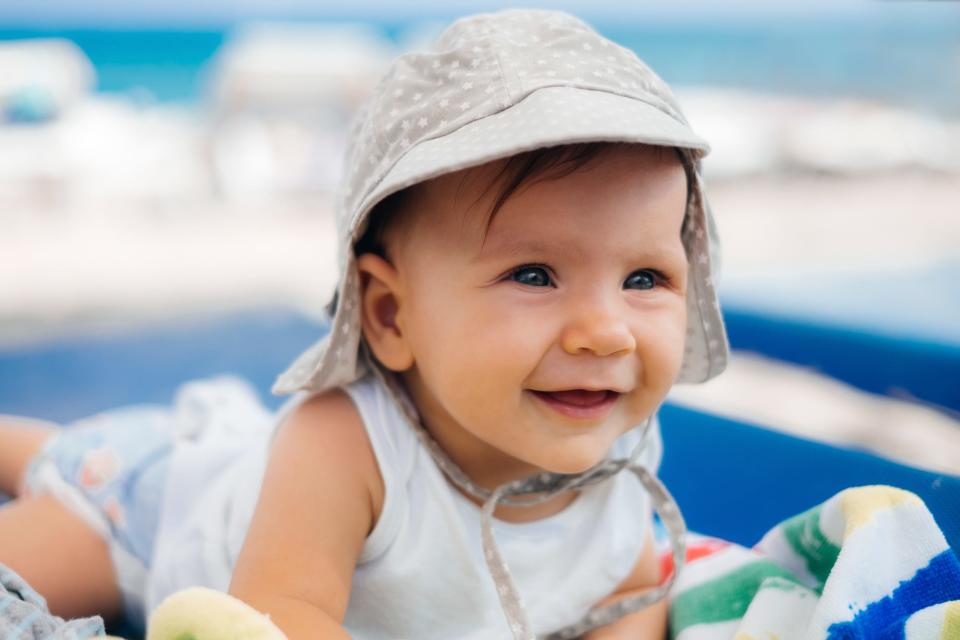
[(725, 597), (807, 540)]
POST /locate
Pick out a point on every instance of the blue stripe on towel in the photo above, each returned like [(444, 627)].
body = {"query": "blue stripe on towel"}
[(884, 619)]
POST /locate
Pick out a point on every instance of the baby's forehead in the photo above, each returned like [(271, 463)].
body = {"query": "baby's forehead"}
[(552, 229), (456, 198), (525, 194), (459, 191), (484, 189)]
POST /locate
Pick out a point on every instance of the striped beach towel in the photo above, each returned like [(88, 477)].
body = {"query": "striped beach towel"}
[(868, 563)]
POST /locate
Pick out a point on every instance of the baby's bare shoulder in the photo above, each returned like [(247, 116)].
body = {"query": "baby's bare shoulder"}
[(320, 499), (325, 437)]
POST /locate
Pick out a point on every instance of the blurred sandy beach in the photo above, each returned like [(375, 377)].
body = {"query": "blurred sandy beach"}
[(117, 213)]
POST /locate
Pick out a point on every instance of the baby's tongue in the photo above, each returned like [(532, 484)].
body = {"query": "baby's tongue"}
[(581, 397)]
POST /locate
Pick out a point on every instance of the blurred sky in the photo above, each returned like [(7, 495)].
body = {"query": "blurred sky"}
[(165, 13)]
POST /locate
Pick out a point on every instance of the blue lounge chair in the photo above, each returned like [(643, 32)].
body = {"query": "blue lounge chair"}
[(891, 332)]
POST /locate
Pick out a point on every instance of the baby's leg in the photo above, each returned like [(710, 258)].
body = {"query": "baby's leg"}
[(60, 556), (56, 552)]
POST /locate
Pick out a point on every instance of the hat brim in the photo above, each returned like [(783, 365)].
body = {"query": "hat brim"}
[(549, 116)]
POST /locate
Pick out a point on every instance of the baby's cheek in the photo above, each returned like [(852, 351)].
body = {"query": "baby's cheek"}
[(666, 344), (481, 379)]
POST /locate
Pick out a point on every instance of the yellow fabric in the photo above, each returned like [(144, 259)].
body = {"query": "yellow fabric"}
[(951, 622), (199, 613), (860, 504)]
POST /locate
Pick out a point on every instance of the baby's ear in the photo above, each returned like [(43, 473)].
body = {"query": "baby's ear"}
[(380, 300)]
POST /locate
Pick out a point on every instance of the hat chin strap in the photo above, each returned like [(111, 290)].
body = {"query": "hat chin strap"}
[(534, 490)]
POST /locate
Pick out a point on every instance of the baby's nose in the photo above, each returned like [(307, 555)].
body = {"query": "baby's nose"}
[(600, 332)]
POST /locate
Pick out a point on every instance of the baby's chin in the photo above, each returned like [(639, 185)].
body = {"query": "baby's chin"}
[(570, 463)]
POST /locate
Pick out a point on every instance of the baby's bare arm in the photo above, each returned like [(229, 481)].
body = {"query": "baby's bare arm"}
[(320, 497), (647, 624)]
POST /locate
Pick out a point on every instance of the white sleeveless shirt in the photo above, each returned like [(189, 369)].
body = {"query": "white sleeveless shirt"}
[(421, 573)]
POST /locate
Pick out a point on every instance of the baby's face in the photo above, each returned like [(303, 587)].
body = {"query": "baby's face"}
[(538, 341)]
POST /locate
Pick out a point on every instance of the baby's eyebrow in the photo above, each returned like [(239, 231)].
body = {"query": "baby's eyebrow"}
[(515, 247), (512, 246)]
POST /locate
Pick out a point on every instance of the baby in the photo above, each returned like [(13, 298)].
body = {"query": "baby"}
[(525, 253)]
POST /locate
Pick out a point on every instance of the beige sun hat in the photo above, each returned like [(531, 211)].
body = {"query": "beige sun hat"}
[(491, 86)]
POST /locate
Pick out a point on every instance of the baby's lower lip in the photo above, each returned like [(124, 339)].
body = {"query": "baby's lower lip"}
[(579, 404)]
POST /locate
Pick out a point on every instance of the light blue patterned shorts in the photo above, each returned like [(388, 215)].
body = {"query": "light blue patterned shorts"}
[(111, 470)]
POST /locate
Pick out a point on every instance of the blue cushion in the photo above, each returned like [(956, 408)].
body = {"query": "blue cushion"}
[(906, 367)]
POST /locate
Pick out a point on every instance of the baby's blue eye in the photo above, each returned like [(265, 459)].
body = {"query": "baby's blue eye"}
[(533, 276), (641, 279)]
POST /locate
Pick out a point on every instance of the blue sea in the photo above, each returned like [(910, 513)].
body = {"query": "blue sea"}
[(912, 63)]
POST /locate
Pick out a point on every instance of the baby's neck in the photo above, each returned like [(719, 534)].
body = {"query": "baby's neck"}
[(520, 514), (490, 474)]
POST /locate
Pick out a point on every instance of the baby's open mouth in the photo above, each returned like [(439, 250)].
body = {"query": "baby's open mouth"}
[(579, 397), (579, 403)]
